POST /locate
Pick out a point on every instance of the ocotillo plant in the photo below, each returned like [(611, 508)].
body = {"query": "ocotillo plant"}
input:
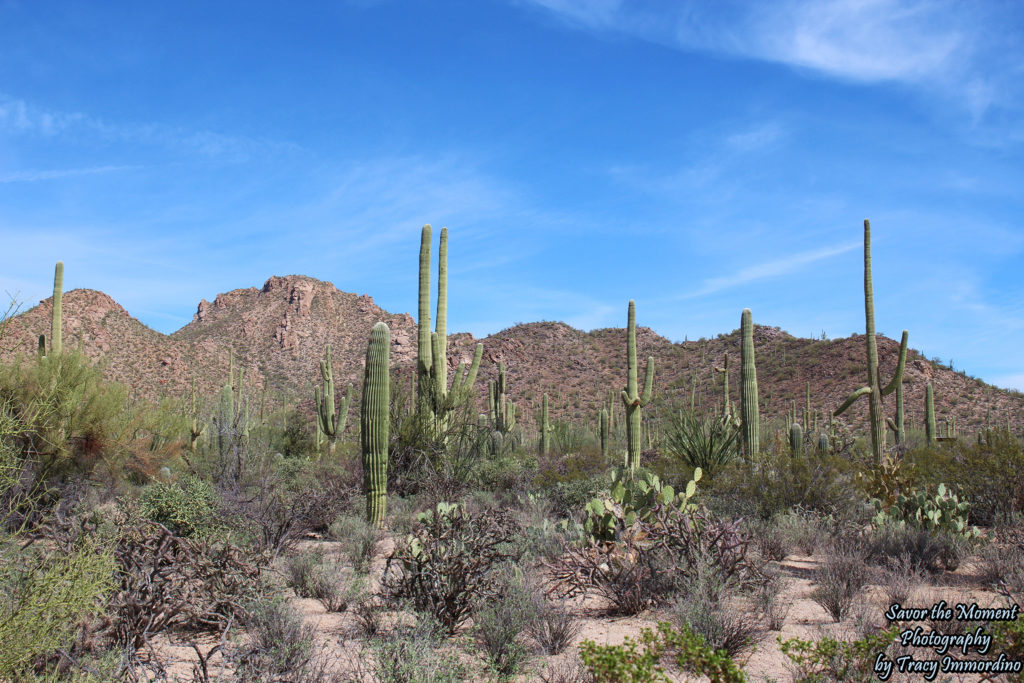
[(748, 387), (433, 396), (929, 414), (874, 389), (631, 397), (545, 428), (796, 439), (330, 422), (374, 424)]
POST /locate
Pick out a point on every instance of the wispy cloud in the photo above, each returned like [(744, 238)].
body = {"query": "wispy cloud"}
[(767, 270), (58, 173), (21, 117), (968, 52)]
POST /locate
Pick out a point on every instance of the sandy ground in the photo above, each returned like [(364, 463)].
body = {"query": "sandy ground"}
[(805, 619)]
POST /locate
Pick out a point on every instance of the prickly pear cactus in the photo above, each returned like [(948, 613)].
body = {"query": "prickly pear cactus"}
[(942, 512), (633, 496)]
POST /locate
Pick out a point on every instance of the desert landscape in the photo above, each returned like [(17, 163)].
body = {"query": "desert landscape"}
[(414, 528)]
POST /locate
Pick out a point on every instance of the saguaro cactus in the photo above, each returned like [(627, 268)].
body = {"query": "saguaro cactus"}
[(56, 339), (374, 424), (929, 414), (874, 389), (726, 402), (502, 411), (748, 387), (433, 396), (196, 425), (545, 428), (603, 426), (896, 425), (796, 439), (631, 397), (330, 422)]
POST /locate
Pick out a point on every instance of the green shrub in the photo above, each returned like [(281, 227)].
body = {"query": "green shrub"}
[(45, 597), (704, 442), (638, 661), (835, 660), (187, 507)]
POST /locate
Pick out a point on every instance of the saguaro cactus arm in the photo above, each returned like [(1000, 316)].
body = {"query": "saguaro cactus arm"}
[(897, 377), (863, 391)]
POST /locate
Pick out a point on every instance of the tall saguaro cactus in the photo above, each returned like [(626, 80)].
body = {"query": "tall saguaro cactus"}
[(603, 428), (330, 422), (432, 347), (545, 428), (896, 425), (929, 414), (631, 397), (748, 387), (874, 389), (502, 411), (373, 418), (56, 338)]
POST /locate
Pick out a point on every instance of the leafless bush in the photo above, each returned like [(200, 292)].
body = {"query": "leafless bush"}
[(840, 577), (500, 621), (337, 587), (902, 581), (552, 625), (358, 539), (710, 607), (449, 563), (299, 571), (568, 671), (767, 600), (651, 560), (164, 580)]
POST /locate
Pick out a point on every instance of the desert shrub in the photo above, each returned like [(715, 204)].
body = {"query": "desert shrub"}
[(449, 562), (551, 625), (902, 580), (499, 622), (358, 539), (299, 570), (801, 529), (164, 580), (44, 597), (569, 497), (280, 646), (768, 602), (840, 577), (337, 587), (187, 507), (412, 653), (1002, 564), (769, 539), (781, 482), (708, 607), (272, 508), (639, 660), (649, 561), (829, 659)]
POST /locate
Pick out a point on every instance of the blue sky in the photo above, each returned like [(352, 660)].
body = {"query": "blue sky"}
[(698, 157)]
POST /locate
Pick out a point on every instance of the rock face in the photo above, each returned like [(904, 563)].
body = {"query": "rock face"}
[(278, 333)]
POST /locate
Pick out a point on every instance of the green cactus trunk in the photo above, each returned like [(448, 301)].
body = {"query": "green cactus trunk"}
[(56, 338), (374, 424), (823, 445), (748, 387), (874, 389), (603, 425), (796, 439), (330, 422), (632, 399), (545, 428), (929, 414)]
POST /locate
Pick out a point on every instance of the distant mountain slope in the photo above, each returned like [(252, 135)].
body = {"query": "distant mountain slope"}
[(279, 331)]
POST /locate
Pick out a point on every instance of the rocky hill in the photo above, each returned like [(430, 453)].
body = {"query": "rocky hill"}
[(278, 333)]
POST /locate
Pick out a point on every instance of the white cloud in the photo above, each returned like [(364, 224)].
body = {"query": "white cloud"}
[(769, 270), (55, 174), (967, 51)]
